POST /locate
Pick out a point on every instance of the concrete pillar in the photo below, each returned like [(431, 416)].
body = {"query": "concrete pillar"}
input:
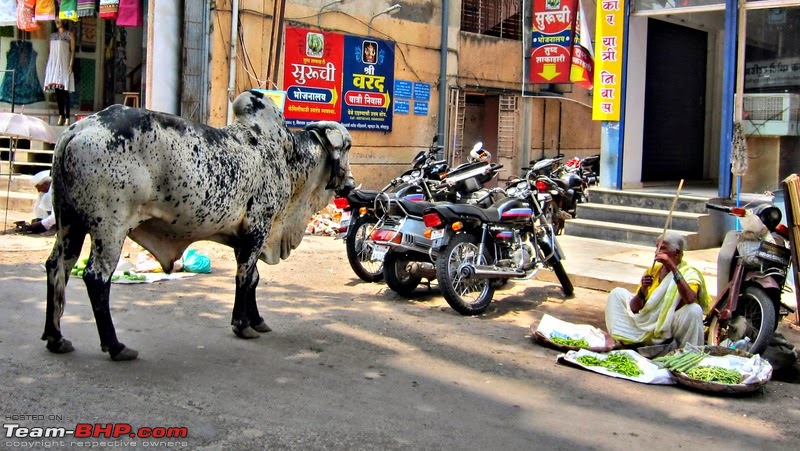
[(164, 33)]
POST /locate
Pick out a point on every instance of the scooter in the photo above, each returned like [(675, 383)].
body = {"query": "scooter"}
[(358, 210), (752, 268)]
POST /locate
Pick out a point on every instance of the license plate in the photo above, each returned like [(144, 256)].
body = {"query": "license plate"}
[(378, 252), (437, 237), (345, 221)]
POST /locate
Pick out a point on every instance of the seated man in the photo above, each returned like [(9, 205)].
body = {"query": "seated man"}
[(669, 303), (43, 210)]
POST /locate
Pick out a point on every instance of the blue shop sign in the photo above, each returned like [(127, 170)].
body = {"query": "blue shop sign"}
[(421, 108), (402, 89), (422, 91), (401, 106)]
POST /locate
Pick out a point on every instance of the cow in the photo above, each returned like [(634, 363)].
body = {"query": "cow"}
[(166, 182)]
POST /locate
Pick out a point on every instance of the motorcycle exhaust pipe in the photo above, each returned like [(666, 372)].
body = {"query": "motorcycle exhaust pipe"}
[(422, 269), (490, 272)]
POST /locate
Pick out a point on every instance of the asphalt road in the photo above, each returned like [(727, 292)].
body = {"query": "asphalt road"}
[(349, 365)]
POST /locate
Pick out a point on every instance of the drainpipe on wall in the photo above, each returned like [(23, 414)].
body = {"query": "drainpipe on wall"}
[(232, 64), (728, 84), (443, 76)]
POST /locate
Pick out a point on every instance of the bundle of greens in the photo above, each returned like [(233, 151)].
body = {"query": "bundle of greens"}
[(616, 362), (681, 362)]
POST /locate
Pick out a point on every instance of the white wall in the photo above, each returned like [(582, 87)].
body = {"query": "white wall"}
[(164, 36), (634, 103)]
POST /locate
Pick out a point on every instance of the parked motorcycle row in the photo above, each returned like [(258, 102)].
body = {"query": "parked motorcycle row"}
[(563, 185), (443, 224), (440, 223)]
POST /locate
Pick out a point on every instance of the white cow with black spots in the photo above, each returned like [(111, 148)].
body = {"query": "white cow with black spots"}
[(166, 183)]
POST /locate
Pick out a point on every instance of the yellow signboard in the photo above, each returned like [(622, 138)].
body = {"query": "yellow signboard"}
[(279, 97), (608, 60)]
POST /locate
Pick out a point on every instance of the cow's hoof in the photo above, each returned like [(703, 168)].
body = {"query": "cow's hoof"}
[(247, 332), (262, 327), (125, 354), (61, 346)]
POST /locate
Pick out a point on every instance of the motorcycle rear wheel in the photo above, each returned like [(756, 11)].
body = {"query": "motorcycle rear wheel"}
[(359, 252), (758, 314), (466, 296), (395, 269)]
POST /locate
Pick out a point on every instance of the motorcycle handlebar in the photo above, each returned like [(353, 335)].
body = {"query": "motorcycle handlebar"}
[(735, 211)]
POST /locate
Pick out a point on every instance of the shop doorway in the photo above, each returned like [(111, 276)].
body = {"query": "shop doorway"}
[(675, 104)]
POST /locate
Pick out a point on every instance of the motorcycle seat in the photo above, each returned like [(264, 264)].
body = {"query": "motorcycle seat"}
[(491, 214), (415, 208)]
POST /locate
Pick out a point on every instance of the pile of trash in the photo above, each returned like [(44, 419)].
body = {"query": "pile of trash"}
[(325, 222)]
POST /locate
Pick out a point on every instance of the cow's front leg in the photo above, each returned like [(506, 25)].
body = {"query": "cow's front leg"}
[(246, 280)]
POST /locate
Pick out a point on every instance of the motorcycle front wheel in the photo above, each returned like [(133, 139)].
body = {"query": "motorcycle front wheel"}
[(754, 316), (359, 250), (558, 268), (466, 296), (395, 269)]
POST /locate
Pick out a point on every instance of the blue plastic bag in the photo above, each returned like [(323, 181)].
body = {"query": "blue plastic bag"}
[(194, 261)]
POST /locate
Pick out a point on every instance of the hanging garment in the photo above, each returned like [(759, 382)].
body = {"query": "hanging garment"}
[(87, 8), (8, 13), (58, 75), (109, 9), (45, 10), (22, 59), (25, 17), (68, 10), (130, 13)]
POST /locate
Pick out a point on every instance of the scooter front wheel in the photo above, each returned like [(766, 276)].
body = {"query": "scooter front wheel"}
[(395, 268), (754, 318)]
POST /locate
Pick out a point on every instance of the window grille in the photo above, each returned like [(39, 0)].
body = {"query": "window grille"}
[(499, 18)]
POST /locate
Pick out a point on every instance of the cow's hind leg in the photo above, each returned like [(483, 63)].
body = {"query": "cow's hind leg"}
[(66, 251), (245, 321), (106, 249)]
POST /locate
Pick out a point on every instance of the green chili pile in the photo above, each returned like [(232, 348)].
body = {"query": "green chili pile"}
[(616, 362), (581, 343)]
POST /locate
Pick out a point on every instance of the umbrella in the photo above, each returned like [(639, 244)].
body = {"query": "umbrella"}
[(18, 126), (26, 127)]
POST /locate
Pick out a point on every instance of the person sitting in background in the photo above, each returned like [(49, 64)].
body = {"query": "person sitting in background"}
[(669, 303), (43, 210)]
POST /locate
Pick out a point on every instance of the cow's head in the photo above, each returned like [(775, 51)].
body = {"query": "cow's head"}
[(336, 141)]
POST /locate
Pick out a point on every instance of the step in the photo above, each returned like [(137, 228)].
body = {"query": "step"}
[(690, 222), (20, 183), (17, 201), (624, 233), (641, 199)]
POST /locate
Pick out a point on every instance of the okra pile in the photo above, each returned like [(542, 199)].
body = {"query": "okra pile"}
[(683, 362), (616, 362)]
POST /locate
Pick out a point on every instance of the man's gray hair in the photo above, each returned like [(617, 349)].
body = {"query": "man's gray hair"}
[(674, 240)]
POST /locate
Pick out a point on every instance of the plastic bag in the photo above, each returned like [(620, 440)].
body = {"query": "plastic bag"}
[(194, 261)]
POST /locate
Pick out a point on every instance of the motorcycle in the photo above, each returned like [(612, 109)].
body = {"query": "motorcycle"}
[(478, 246), (358, 210), (400, 240), (752, 269)]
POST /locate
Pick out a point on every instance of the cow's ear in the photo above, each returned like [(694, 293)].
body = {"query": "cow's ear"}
[(335, 138)]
